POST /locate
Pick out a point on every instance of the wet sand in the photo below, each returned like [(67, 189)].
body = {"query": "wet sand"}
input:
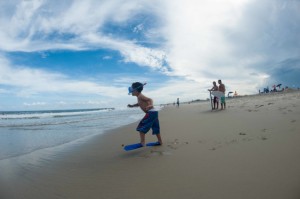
[(250, 150)]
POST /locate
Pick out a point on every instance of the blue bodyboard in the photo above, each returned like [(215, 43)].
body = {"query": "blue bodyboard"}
[(132, 146), (139, 145), (153, 144)]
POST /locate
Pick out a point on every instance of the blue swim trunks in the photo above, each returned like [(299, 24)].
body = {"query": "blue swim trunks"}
[(149, 121), (223, 99)]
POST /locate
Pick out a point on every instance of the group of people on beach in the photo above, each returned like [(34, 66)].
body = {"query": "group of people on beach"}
[(150, 120), (221, 89)]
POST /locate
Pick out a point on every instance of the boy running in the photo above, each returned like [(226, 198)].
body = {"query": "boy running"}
[(150, 120)]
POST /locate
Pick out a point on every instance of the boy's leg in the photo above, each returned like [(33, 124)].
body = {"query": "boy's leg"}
[(156, 130), (142, 136), (143, 128), (159, 139)]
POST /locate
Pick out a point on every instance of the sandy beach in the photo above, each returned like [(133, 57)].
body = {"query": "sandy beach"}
[(250, 150)]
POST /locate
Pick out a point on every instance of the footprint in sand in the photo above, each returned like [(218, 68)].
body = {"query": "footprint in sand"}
[(202, 142), (219, 145), (249, 110), (282, 108), (247, 139), (263, 138), (234, 141), (154, 152), (258, 106), (176, 144), (159, 153)]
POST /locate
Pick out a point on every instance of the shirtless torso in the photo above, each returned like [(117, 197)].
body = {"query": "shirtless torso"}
[(222, 88), (145, 103)]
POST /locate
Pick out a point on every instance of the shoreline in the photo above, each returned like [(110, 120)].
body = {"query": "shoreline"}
[(250, 150)]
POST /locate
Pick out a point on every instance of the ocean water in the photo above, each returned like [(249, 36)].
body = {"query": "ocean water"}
[(23, 132)]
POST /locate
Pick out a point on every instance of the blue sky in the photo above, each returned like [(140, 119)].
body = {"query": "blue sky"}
[(84, 54)]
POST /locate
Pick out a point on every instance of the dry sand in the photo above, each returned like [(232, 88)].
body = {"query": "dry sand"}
[(250, 150)]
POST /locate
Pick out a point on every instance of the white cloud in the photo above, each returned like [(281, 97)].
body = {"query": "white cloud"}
[(195, 38), (131, 52), (107, 57), (34, 81), (4, 91), (35, 104), (230, 40), (138, 28), (46, 25)]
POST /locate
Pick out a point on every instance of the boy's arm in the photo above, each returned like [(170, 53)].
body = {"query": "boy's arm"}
[(213, 89), (133, 105)]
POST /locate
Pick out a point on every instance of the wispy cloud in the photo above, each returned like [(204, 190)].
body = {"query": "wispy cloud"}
[(131, 52), (48, 25), (32, 81), (35, 104), (4, 91)]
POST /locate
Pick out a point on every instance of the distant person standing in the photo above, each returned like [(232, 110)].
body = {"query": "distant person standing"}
[(177, 102), (222, 89), (235, 94), (216, 99)]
